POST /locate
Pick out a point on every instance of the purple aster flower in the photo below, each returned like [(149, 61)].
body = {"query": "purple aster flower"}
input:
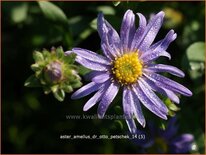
[(128, 63), (165, 141)]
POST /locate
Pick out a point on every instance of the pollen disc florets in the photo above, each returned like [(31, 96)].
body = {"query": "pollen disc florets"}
[(127, 68)]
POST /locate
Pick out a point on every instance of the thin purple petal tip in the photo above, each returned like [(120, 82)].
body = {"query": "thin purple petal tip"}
[(161, 14), (68, 52), (189, 93)]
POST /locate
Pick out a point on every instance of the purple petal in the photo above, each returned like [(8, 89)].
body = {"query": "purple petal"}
[(151, 31), (110, 41), (91, 64), (139, 32), (158, 49), (148, 103), (166, 68), (152, 96), (89, 55), (127, 30), (153, 55), (85, 90), (170, 37), (101, 77), (136, 108), (108, 97), (164, 82), (172, 96), (128, 112), (107, 50), (96, 98), (182, 144), (154, 46), (92, 74)]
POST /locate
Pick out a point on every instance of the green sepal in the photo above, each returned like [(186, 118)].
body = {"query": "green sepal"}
[(46, 90), (116, 3), (32, 81), (46, 54), (68, 89), (171, 113), (59, 95), (162, 125), (35, 67), (77, 84), (83, 70), (38, 56), (54, 88), (171, 106), (70, 59), (60, 52)]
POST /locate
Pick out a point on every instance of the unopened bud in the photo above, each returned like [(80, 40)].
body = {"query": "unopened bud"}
[(53, 72)]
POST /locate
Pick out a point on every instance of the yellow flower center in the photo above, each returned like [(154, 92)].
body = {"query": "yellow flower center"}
[(127, 68)]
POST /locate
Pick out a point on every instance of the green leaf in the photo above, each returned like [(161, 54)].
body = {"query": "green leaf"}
[(194, 60), (93, 24), (196, 52), (116, 3), (53, 12), (19, 13), (107, 10), (32, 101), (32, 81), (85, 34), (59, 95)]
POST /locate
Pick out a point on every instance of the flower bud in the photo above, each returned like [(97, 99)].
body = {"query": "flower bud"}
[(53, 72)]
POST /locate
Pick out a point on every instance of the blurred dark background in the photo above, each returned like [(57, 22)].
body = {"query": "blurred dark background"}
[(33, 122)]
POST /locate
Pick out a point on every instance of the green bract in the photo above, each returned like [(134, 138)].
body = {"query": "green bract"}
[(54, 72)]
